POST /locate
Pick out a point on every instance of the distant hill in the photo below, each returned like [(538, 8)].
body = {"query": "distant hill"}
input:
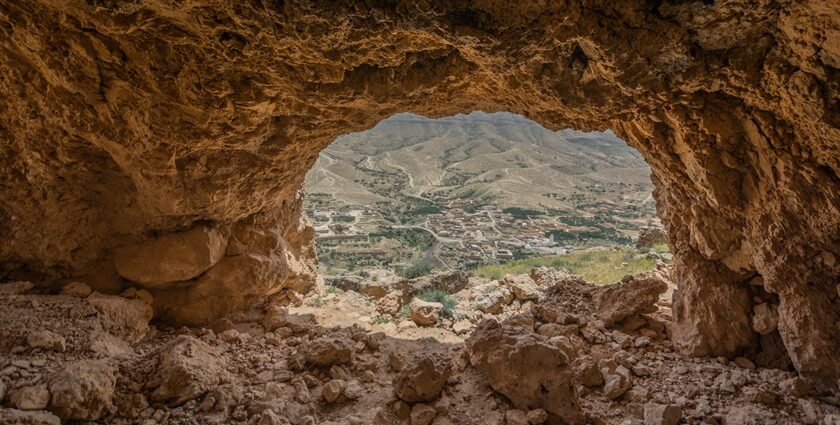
[(499, 158)]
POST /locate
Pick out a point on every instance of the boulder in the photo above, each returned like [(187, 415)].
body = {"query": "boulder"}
[(765, 318), (83, 391), (76, 289), (526, 369), (422, 380), (424, 313), (172, 257), (33, 397), (20, 417), (187, 369), (329, 350), (46, 340), (633, 295), (122, 317)]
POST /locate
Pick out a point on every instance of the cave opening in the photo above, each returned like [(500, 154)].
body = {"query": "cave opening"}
[(470, 200)]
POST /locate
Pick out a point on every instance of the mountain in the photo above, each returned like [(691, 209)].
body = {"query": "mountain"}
[(499, 158)]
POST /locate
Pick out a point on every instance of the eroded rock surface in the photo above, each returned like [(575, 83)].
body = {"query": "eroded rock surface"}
[(129, 122), (530, 372)]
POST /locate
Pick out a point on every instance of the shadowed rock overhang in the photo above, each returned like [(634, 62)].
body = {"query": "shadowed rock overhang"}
[(130, 125)]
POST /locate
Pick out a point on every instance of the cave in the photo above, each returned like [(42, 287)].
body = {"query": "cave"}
[(132, 127)]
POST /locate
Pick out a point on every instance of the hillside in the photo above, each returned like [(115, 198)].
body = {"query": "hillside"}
[(415, 194), (501, 159)]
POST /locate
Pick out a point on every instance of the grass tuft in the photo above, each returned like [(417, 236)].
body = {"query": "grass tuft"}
[(598, 267), (438, 296)]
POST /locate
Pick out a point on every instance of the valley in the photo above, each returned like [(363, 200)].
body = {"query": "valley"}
[(416, 194)]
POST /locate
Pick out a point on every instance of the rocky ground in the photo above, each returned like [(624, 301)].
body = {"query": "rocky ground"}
[(530, 349)]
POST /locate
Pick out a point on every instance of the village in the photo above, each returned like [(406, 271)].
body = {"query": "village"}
[(461, 235)]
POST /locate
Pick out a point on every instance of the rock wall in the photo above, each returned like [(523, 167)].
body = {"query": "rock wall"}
[(127, 121)]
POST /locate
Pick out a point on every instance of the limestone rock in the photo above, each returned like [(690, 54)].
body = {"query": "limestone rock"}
[(83, 390), (187, 369), (662, 414), (588, 373), (333, 389), (390, 304), (523, 287), (462, 326), (422, 380), (122, 317), (516, 417), (631, 296), (765, 318), (108, 345), (76, 289), (20, 417), (46, 340), (617, 383), (34, 397), (491, 297), (329, 350), (530, 372), (422, 414), (424, 313), (172, 257)]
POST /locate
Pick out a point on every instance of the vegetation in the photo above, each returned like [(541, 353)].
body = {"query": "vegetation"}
[(438, 296), (417, 270), (521, 213), (598, 267)]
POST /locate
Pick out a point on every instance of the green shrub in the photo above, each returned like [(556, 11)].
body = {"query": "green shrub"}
[(438, 296), (417, 270)]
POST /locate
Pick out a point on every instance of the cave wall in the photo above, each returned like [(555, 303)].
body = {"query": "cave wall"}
[(126, 121)]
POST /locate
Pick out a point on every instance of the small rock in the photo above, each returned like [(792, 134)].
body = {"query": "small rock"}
[(588, 373), (76, 289), (661, 414), (188, 368), (797, 387), (424, 313), (46, 340), (765, 318), (641, 341), (758, 395), (537, 416), (333, 389), (516, 417), (462, 326), (422, 414), (744, 362), (34, 397), (423, 380), (616, 384), (83, 390), (329, 350), (20, 417)]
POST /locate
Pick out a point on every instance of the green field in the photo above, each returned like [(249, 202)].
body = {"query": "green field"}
[(598, 267)]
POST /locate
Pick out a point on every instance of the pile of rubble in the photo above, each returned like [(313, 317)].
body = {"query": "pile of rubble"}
[(544, 348)]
